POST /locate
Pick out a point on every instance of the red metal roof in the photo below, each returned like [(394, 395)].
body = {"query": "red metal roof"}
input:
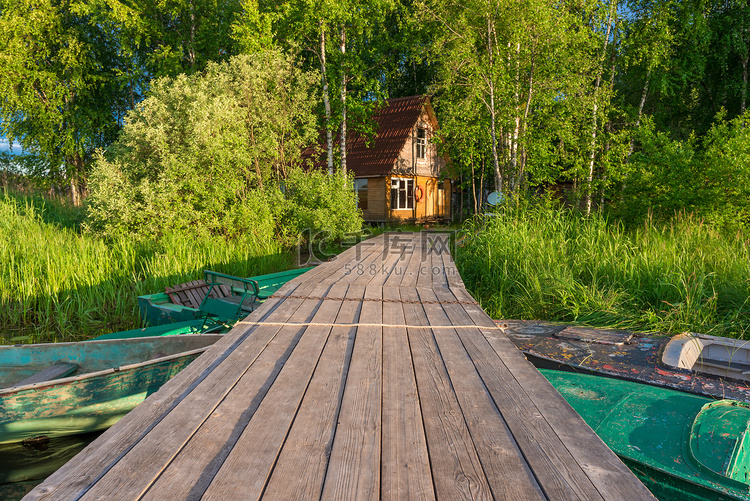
[(395, 121)]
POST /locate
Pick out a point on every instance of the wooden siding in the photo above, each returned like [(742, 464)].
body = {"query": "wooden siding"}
[(377, 199), (408, 164)]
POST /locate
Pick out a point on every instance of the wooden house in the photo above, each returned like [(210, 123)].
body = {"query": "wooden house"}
[(399, 175)]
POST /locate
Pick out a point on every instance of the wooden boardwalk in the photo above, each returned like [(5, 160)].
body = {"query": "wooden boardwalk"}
[(373, 376)]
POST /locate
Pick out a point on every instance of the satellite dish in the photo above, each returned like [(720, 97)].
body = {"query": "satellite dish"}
[(495, 198)]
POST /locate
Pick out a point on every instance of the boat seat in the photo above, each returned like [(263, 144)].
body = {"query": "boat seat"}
[(47, 374), (231, 308), (191, 294), (724, 364)]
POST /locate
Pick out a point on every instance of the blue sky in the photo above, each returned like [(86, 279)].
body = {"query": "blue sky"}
[(4, 146)]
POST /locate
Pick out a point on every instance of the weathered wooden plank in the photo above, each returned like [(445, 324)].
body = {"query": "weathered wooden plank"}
[(364, 254), (328, 270), (300, 470), (456, 469), (373, 268), (405, 468), (393, 252), (365, 270), (611, 478), (556, 471), (427, 255), (354, 466), (196, 462), (508, 474), (411, 272), (451, 272), (145, 463), (343, 412), (196, 296), (405, 242), (441, 247), (76, 477), (260, 442)]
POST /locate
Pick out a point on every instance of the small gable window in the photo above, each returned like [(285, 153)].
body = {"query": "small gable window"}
[(421, 142), (402, 193)]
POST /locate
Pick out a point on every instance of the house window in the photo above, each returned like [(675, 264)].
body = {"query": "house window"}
[(402, 193), (360, 186), (421, 142)]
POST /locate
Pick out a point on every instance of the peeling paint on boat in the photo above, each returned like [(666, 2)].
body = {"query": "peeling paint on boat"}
[(94, 400)]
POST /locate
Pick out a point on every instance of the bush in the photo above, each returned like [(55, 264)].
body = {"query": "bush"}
[(710, 180), (325, 205), (203, 154)]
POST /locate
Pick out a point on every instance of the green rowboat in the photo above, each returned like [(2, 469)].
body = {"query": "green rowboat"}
[(160, 309), (59, 389), (165, 318), (682, 446)]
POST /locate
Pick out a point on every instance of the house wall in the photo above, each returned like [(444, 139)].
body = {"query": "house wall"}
[(432, 204), (408, 164), (378, 193)]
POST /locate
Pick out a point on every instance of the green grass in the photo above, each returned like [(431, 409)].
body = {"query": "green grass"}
[(57, 284), (552, 264)]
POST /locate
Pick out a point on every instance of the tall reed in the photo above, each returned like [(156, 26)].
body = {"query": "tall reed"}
[(58, 284), (552, 264)]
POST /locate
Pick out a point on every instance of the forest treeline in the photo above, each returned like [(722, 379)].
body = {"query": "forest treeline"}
[(634, 105)]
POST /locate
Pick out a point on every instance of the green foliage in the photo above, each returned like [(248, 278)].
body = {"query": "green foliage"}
[(541, 262), (325, 205), (203, 154), (59, 93), (709, 179)]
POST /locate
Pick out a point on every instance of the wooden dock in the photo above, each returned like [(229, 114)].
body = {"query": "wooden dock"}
[(373, 376)]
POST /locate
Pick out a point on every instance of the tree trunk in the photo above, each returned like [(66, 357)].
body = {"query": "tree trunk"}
[(343, 102), (522, 169), (461, 209), (644, 94), (493, 131), (473, 185), (481, 187), (743, 92), (191, 43), (517, 121), (326, 97), (75, 177), (594, 125)]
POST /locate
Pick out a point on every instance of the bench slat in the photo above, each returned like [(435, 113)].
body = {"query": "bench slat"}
[(52, 372)]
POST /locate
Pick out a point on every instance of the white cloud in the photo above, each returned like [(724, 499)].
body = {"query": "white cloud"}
[(5, 146)]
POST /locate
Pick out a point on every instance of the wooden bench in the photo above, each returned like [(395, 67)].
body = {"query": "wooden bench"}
[(49, 373), (191, 294)]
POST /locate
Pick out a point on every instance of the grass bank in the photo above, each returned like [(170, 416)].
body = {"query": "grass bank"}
[(57, 284), (552, 264)]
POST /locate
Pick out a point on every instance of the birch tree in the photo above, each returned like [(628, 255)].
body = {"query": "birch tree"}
[(341, 40), (518, 62)]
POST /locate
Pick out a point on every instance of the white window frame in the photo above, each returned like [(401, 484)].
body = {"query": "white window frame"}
[(403, 185), (421, 143)]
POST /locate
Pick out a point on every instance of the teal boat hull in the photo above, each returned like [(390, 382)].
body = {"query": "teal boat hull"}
[(113, 376), (195, 326), (681, 446)]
